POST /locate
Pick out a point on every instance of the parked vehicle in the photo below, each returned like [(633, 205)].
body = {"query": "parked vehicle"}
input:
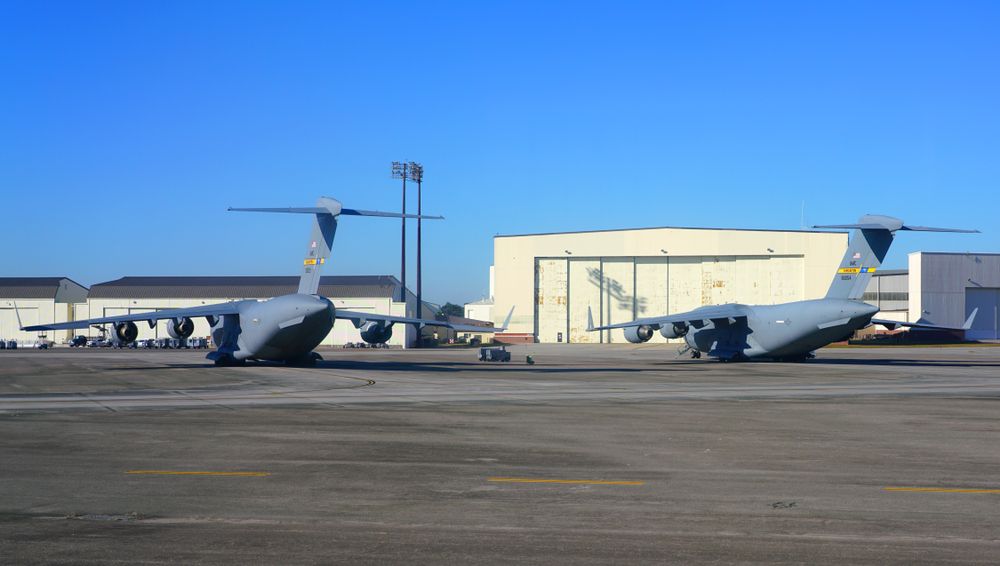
[(78, 341), (494, 354)]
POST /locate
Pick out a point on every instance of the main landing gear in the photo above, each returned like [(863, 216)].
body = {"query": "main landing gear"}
[(225, 360), (309, 360)]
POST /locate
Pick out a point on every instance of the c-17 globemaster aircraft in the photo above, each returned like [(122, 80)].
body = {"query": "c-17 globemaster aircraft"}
[(789, 331), (285, 328)]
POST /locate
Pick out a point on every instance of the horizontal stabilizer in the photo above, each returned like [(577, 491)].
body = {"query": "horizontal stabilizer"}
[(287, 210), (932, 229), (343, 212), (355, 212), (903, 228), (880, 222)]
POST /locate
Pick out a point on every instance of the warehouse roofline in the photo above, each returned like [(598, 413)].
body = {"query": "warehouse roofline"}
[(954, 253), (668, 228), (34, 287), (241, 286)]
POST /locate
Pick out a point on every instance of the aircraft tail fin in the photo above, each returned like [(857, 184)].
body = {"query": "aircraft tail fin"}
[(873, 234), (324, 228)]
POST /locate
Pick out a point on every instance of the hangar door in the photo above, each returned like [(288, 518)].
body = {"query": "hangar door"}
[(551, 301), (9, 329), (985, 326)]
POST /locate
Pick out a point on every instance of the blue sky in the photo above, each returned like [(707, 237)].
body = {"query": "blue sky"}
[(126, 129)]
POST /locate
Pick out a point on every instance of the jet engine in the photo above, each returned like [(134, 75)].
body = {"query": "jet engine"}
[(180, 328), (638, 334), (125, 332), (376, 332), (675, 330)]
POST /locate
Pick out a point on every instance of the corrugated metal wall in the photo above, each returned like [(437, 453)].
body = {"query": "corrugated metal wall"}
[(621, 289)]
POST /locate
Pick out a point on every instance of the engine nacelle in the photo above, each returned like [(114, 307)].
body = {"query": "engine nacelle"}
[(675, 330), (125, 332), (376, 332), (638, 334), (180, 328)]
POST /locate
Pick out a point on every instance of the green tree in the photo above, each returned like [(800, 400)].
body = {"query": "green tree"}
[(450, 309)]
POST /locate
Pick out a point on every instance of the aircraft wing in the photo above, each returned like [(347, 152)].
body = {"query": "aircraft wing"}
[(714, 312), (892, 324), (150, 317), (359, 318)]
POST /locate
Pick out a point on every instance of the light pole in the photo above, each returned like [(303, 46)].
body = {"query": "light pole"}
[(401, 170), (417, 174)]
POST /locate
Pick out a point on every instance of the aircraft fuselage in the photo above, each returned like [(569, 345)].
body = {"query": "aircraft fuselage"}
[(285, 328), (784, 331)]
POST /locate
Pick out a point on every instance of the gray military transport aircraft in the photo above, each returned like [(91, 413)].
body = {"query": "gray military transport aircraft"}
[(286, 328), (789, 331)]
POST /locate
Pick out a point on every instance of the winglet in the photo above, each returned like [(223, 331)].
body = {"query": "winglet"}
[(506, 321), (18, 314), (590, 320), (968, 321)]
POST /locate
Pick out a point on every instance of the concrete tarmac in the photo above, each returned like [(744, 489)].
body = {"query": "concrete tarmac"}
[(596, 454)]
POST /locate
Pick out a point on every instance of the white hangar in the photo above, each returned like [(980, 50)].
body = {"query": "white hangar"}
[(38, 300), (621, 275)]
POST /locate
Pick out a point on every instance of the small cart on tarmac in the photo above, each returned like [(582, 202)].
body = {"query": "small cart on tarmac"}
[(494, 354)]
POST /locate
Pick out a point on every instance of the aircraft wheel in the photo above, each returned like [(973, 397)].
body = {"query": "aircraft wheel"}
[(228, 361), (696, 355), (308, 360)]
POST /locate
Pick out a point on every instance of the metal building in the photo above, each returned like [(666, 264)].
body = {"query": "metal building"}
[(621, 275), (376, 294), (889, 290), (39, 300), (942, 288), (945, 287)]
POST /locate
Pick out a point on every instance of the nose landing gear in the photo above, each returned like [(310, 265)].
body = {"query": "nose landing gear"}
[(695, 354)]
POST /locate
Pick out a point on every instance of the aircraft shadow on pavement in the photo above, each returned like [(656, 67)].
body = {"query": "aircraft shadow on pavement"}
[(900, 363), (459, 367), (443, 367)]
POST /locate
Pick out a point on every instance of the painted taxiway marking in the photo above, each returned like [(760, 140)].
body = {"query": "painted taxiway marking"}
[(195, 473), (941, 490), (577, 482)]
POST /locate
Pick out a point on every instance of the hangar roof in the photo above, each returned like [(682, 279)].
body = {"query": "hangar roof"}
[(668, 228), (35, 287), (219, 287)]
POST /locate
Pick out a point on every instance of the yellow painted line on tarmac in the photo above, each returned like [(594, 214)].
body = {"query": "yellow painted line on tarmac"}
[(577, 482), (195, 473), (941, 490)]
